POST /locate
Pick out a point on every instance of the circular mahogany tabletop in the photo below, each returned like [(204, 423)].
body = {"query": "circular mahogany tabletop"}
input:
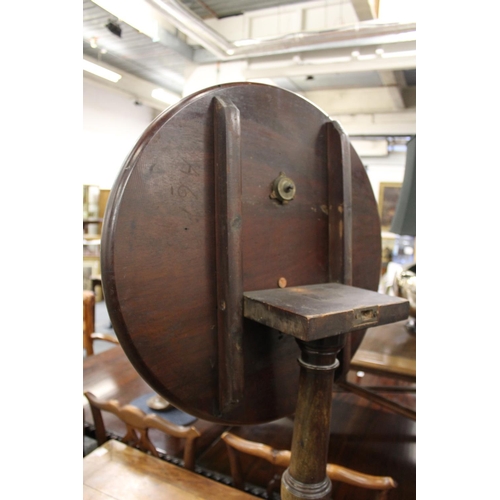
[(159, 256)]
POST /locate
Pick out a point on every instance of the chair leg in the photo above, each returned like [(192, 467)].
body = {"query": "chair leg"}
[(189, 454), (100, 431), (236, 470), (88, 321), (273, 485)]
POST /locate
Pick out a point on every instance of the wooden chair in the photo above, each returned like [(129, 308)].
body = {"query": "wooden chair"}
[(138, 423), (89, 333), (281, 458)]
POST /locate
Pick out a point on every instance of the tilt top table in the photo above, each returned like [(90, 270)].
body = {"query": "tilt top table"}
[(242, 234)]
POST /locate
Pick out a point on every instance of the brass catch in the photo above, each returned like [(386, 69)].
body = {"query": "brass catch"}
[(283, 189)]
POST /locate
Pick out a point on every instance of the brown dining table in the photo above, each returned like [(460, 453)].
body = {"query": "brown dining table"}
[(388, 350), (116, 471)]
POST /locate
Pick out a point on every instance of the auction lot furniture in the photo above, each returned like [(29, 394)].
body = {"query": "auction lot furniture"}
[(89, 333), (236, 445), (119, 472), (388, 351), (363, 436), (139, 425), (241, 235), (109, 375)]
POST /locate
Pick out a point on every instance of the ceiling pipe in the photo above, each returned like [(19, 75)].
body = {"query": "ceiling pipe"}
[(192, 26), (364, 33)]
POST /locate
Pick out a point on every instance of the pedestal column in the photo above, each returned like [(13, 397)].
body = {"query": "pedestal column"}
[(306, 477)]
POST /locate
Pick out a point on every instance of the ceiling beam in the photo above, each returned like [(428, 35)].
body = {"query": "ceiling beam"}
[(364, 10), (393, 81), (379, 124), (351, 66), (409, 96), (396, 96), (364, 100), (175, 43), (360, 34), (388, 77)]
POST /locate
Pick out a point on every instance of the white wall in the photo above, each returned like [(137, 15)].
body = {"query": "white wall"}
[(389, 168), (207, 75), (112, 124)]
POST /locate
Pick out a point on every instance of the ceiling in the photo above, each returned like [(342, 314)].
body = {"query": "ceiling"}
[(207, 9), (355, 62)]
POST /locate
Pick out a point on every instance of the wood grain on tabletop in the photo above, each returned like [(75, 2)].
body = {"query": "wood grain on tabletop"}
[(124, 473)]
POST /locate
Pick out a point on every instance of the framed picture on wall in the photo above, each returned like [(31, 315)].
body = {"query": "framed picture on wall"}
[(387, 202)]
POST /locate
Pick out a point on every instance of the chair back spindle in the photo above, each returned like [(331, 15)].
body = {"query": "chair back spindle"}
[(281, 458), (138, 424)]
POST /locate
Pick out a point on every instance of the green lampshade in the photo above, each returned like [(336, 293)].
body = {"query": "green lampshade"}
[(405, 218)]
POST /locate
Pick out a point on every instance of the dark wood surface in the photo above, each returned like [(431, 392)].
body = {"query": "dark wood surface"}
[(339, 204), (306, 477), (229, 257), (159, 245), (318, 311), (388, 350), (110, 375), (363, 436)]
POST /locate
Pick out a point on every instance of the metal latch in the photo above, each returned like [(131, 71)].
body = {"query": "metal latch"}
[(366, 316)]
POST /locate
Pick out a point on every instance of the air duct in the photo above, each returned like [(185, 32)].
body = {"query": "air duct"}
[(193, 26), (365, 33)]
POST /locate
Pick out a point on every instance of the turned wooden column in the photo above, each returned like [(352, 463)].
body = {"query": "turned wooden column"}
[(306, 477), (320, 317)]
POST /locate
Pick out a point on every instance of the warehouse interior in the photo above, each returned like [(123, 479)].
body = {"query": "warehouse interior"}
[(355, 60)]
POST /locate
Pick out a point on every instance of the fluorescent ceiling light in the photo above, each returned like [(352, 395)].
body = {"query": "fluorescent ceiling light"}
[(405, 53), (95, 69), (245, 43), (326, 60), (284, 63), (165, 96)]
